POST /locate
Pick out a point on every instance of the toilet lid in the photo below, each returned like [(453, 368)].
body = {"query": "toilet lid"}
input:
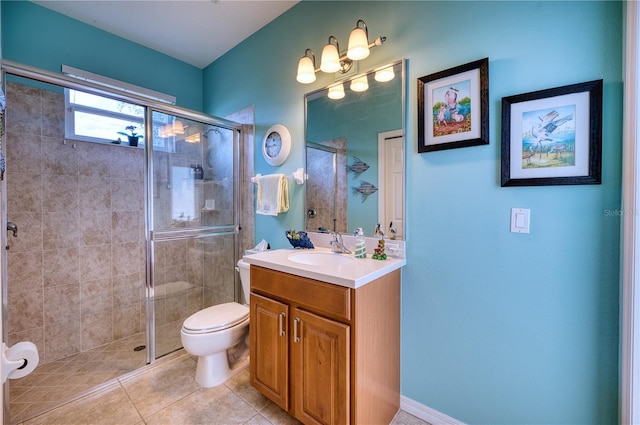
[(216, 318)]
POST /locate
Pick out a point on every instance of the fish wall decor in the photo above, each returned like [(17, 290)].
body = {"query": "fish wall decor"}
[(358, 167), (365, 189)]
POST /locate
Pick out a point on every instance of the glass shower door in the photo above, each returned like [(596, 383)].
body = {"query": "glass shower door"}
[(194, 222)]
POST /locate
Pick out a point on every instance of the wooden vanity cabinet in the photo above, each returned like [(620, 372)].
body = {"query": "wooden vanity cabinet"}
[(325, 353)]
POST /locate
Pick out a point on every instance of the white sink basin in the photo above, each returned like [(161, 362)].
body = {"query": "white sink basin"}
[(320, 259)]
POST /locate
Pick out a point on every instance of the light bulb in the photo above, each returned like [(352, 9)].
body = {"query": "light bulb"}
[(385, 75), (330, 61), (336, 92), (358, 45), (360, 84), (306, 71)]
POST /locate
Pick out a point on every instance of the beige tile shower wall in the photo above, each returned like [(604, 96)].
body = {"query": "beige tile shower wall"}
[(322, 187), (76, 269)]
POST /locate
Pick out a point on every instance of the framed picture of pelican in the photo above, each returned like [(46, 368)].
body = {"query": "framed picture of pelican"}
[(553, 136), (453, 107)]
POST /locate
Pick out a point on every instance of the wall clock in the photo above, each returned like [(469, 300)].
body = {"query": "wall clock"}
[(276, 145)]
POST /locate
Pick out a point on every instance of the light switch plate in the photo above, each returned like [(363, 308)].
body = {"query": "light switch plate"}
[(520, 218)]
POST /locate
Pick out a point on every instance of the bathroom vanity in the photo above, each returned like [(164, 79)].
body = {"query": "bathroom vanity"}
[(325, 335)]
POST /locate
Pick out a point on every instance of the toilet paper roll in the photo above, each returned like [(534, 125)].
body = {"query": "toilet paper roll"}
[(27, 353)]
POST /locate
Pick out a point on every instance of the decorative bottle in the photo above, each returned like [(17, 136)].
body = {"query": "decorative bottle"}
[(198, 172), (361, 249)]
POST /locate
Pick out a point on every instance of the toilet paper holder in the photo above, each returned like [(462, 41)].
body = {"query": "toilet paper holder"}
[(18, 360)]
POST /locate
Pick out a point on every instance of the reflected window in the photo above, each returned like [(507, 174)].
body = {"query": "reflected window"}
[(183, 194)]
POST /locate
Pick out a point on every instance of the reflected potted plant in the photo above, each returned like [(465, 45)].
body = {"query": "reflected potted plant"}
[(131, 135)]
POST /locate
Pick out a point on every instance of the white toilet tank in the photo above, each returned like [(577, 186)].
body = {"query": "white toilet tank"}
[(243, 268)]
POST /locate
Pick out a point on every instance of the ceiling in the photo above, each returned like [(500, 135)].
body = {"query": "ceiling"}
[(194, 31)]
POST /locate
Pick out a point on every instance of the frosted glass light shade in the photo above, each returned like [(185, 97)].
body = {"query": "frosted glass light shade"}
[(330, 61), (178, 128), (336, 92), (358, 45), (360, 84), (306, 71), (384, 75)]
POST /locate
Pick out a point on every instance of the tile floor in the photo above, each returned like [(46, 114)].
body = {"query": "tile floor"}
[(56, 382), (166, 393)]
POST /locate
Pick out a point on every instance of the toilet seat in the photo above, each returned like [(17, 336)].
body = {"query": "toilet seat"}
[(216, 318)]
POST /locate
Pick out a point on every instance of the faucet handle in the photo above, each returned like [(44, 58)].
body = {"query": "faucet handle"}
[(13, 228)]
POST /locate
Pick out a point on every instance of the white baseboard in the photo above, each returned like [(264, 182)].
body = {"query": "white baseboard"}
[(425, 413)]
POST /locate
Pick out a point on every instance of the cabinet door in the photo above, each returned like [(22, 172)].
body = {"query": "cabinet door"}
[(269, 365), (320, 375)]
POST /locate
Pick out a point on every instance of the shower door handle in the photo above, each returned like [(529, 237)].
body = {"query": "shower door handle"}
[(13, 228)]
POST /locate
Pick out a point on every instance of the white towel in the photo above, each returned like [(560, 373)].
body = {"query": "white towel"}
[(273, 194)]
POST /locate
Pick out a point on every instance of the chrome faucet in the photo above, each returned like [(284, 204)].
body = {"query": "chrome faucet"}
[(337, 245)]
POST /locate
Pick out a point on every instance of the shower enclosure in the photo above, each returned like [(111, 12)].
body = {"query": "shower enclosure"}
[(115, 244), (326, 187)]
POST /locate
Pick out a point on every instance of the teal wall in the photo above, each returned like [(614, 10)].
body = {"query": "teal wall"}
[(39, 37), (497, 327)]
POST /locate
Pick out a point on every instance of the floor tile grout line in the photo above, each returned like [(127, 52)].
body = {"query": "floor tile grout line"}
[(163, 362), (142, 418)]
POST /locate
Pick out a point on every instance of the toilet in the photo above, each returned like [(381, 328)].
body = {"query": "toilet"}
[(219, 336)]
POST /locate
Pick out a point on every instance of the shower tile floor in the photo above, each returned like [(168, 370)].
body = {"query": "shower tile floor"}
[(166, 393), (56, 382)]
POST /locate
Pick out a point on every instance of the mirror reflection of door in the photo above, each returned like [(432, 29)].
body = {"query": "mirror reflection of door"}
[(391, 179), (326, 186)]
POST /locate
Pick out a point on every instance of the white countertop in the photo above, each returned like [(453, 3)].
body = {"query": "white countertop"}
[(353, 275)]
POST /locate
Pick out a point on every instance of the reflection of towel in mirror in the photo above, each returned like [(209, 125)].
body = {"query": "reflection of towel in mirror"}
[(273, 194)]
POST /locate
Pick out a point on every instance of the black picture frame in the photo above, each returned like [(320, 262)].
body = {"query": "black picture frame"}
[(453, 107), (553, 136)]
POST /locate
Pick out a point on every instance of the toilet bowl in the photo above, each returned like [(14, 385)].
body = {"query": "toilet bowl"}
[(219, 336)]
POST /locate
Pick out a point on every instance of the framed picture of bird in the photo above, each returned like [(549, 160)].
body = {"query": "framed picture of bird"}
[(453, 107), (553, 136)]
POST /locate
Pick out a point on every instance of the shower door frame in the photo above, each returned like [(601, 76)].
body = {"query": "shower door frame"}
[(32, 73), (152, 235)]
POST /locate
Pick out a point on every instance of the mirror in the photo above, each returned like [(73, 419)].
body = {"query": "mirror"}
[(355, 154)]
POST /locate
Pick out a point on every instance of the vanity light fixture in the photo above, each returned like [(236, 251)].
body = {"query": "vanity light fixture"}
[(178, 127), (171, 129), (332, 60), (193, 138)]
